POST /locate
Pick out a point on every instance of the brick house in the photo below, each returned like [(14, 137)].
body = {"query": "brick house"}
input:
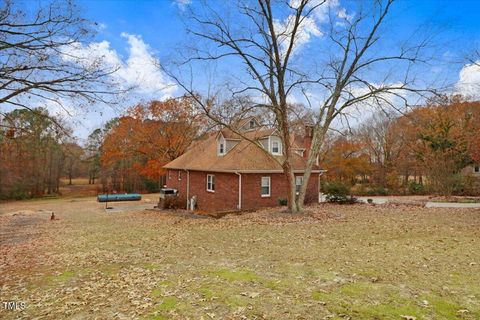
[(225, 172)]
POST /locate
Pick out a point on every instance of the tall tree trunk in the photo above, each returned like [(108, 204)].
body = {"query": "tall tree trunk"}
[(317, 141)]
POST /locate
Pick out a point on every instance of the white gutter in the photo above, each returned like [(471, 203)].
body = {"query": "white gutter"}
[(239, 206), (188, 187)]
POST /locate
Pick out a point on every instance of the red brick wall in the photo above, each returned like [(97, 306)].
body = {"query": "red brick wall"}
[(251, 190), (225, 197)]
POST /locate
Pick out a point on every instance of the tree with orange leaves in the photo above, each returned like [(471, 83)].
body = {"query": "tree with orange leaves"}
[(345, 159), (137, 146), (444, 142)]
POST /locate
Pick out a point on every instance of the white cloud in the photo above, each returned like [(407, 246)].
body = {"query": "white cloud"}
[(307, 29), (141, 68), (101, 26), (469, 82), (138, 71), (311, 25), (182, 4), (324, 8)]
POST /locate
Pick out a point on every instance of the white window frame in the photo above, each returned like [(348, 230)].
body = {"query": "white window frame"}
[(221, 148), (263, 186), (298, 186), (221, 145), (210, 188), (179, 175), (279, 152), (476, 168)]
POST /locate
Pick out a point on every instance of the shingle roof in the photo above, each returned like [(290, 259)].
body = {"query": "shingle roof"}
[(243, 157)]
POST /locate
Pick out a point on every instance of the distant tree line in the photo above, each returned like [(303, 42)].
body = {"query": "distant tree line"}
[(35, 153), (125, 155), (423, 150)]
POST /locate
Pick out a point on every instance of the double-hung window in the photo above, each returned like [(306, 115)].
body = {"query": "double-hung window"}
[(265, 187), (298, 183), (210, 183), (275, 147)]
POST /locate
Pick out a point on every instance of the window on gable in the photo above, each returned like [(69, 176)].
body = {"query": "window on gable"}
[(477, 169), (221, 146), (265, 187), (252, 124), (275, 147), (210, 183), (298, 183)]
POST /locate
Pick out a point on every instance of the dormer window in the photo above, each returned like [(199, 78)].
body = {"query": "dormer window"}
[(276, 147), (221, 146), (252, 124)]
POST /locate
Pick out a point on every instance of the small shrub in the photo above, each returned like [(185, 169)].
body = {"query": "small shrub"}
[(336, 192), (415, 187), (380, 191), (282, 201)]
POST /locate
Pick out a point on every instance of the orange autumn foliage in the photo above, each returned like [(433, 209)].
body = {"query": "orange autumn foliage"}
[(345, 160), (149, 136)]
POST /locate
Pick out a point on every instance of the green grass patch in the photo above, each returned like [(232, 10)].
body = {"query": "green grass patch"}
[(239, 275), (151, 266), (364, 300), (62, 277), (318, 296), (168, 303), (157, 293), (445, 309)]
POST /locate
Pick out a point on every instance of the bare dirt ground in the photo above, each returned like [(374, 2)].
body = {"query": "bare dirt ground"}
[(333, 262)]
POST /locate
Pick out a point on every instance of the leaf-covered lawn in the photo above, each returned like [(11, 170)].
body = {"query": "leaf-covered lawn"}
[(334, 262)]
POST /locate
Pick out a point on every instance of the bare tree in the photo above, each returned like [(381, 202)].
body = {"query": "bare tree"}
[(261, 42), (38, 65), (384, 145)]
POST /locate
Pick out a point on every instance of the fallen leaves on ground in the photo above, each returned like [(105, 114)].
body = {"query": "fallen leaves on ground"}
[(357, 262)]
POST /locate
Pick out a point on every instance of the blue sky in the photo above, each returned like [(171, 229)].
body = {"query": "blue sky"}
[(156, 29)]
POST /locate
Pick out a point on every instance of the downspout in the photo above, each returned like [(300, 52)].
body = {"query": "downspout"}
[(239, 206), (188, 187), (320, 187)]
